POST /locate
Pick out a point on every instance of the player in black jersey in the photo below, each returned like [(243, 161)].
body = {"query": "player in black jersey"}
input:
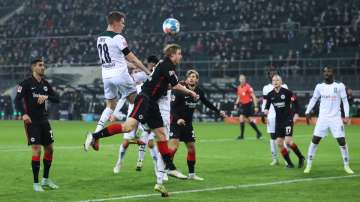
[(284, 103), (31, 101), (182, 110), (146, 109)]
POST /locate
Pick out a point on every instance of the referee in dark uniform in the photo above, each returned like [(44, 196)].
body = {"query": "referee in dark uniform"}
[(31, 101)]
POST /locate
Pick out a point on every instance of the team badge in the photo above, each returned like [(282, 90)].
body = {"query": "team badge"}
[(45, 88), (32, 139), (282, 97), (141, 116), (19, 89)]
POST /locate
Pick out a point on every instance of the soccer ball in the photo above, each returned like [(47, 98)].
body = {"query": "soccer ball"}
[(171, 26)]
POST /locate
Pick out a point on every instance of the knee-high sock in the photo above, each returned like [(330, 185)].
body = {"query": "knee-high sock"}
[(160, 169), (103, 119), (35, 165), (345, 154), (286, 156), (165, 153), (273, 149), (191, 160), (242, 129), (253, 125), (108, 131), (47, 164), (296, 150), (141, 153), (154, 155), (311, 153), (122, 152)]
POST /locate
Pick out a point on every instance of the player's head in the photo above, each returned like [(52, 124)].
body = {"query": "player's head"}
[(276, 81), (116, 21), (152, 60), (271, 72), (173, 52), (242, 79), (192, 77), (328, 73), (38, 67)]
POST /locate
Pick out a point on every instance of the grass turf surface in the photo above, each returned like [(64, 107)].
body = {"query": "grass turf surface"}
[(221, 160)]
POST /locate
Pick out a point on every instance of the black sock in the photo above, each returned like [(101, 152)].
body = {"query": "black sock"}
[(242, 128), (296, 150), (191, 166), (47, 165), (35, 164), (102, 133), (168, 162), (253, 125)]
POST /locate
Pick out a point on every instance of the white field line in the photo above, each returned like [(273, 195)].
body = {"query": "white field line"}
[(18, 148), (242, 186)]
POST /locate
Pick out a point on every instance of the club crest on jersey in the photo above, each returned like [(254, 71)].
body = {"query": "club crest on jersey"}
[(171, 72), (45, 88), (282, 97), (141, 116), (19, 89)]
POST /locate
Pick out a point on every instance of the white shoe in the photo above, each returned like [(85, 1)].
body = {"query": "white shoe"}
[(117, 168), (348, 170), (46, 182), (161, 188), (177, 174), (89, 140), (274, 162), (195, 177), (307, 169), (165, 177), (37, 187), (139, 165)]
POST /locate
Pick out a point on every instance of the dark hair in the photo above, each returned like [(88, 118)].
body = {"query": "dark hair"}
[(115, 16), (36, 60), (152, 59)]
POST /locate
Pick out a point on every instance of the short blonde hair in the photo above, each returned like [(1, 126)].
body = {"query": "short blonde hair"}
[(192, 71), (171, 49)]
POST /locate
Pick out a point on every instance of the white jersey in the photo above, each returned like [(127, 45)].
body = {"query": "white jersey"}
[(110, 46), (330, 99), (266, 90)]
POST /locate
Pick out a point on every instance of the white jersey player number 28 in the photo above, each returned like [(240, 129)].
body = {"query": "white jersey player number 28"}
[(104, 53)]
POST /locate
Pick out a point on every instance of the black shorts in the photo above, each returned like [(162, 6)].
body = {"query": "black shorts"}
[(183, 133), (283, 128), (246, 109), (39, 133), (147, 112)]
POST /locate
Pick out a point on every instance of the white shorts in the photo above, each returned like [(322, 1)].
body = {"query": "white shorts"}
[(335, 125), (270, 125), (124, 84)]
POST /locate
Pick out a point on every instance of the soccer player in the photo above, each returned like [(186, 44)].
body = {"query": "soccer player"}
[(282, 99), (181, 128), (245, 101), (31, 101), (330, 93), (270, 121), (113, 52), (146, 109)]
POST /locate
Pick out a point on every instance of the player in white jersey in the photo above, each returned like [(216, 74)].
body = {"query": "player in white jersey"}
[(270, 118), (331, 94), (113, 53)]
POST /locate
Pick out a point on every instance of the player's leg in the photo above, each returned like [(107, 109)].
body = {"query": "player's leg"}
[(122, 151), (242, 127), (270, 125), (142, 148), (254, 126), (291, 144), (191, 161), (116, 115), (320, 132), (110, 94), (284, 152)]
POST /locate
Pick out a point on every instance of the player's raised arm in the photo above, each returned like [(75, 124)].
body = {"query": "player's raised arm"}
[(133, 59)]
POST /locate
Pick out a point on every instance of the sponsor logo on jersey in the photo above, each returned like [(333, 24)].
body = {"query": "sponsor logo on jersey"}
[(279, 104)]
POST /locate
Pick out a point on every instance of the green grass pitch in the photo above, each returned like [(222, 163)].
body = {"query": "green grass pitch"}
[(233, 170)]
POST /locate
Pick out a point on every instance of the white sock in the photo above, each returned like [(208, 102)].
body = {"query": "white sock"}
[(104, 117), (273, 148), (160, 169), (118, 107), (311, 153), (141, 153), (345, 154), (122, 151), (154, 155)]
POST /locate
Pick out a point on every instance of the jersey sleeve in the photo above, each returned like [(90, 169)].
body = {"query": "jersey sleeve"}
[(170, 75), (343, 96), (264, 99), (122, 44), (20, 94), (268, 101), (295, 102), (313, 100), (207, 103)]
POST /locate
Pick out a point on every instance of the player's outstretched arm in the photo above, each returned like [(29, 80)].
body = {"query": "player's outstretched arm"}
[(186, 91), (133, 59), (209, 105)]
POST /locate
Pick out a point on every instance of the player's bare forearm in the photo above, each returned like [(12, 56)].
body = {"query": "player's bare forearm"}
[(133, 59)]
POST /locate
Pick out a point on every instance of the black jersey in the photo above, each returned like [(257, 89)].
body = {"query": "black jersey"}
[(284, 103), (183, 106), (27, 96), (158, 83)]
